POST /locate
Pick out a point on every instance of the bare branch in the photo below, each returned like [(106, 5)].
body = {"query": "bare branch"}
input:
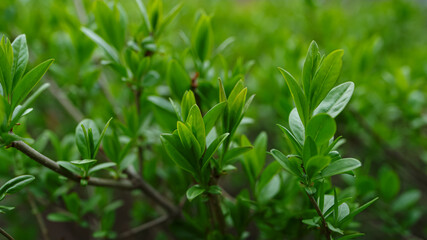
[(49, 163)]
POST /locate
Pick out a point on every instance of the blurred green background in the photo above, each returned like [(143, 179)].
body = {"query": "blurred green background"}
[(385, 45)]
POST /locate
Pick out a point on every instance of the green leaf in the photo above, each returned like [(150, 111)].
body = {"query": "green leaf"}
[(71, 167), (310, 66), (178, 79), (340, 166), (343, 211), (168, 18), (406, 200), (297, 95), (62, 217), (326, 77), (197, 126), (173, 147), (98, 144), (189, 141), (20, 58), (24, 108), (389, 183), (82, 138), (291, 164), (321, 128), (109, 50), (144, 13), (296, 126), (101, 166), (336, 100), (292, 138), (232, 154), (213, 115), (15, 184), (6, 62), (316, 164), (188, 100), (309, 149), (4, 209), (213, 147), (202, 39), (29, 81), (357, 211), (194, 192)]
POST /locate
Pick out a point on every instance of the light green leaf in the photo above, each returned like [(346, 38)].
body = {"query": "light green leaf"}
[(15, 184), (213, 147), (98, 143), (297, 95), (321, 128), (336, 100), (292, 138), (195, 120), (173, 147), (213, 115), (291, 165), (194, 192), (340, 166), (296, 126), (29, 81), (316, 164), (189, 141), (101, 166), (20, 58), (202, 39), (310, 66), (326, 77), (109, 50), (188, 100)]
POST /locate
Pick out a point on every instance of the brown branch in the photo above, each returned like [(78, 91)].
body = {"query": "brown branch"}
[(62, 98), (5, 234), (49, 163), (325, 228), (148, 190), (134, 231)]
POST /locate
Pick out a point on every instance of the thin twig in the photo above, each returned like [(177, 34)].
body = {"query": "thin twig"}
[(62, 98), (134, 231), (4, 233), (49, 163), (38, 216), (326, 230), (152, 193)]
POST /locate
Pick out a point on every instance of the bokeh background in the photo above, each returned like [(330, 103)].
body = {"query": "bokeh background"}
[(385, 125)]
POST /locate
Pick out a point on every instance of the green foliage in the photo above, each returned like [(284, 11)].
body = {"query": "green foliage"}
[(185, 153)]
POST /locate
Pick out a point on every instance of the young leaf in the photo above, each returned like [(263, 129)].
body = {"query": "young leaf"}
[(20, 58), (98, 144), (309, 150), (316, 164), (189, 141), (357, 211), (310, 66), (71, 167), (292, 138), (101, 166), (202, 39), (212, 148), (194, 192), (15, 184), (173, 147), (336, 100), (289, 164), (296, 126), (197, 126), (326, 77), (321, 128), (29, 81), (212, 116), (234, 153), (340, 166), (109, 50), (188, 100), (82, 137), (297, 94)]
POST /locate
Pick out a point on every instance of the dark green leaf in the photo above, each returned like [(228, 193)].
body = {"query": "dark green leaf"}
[(321, 128), (340, 166), (194, 192)]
